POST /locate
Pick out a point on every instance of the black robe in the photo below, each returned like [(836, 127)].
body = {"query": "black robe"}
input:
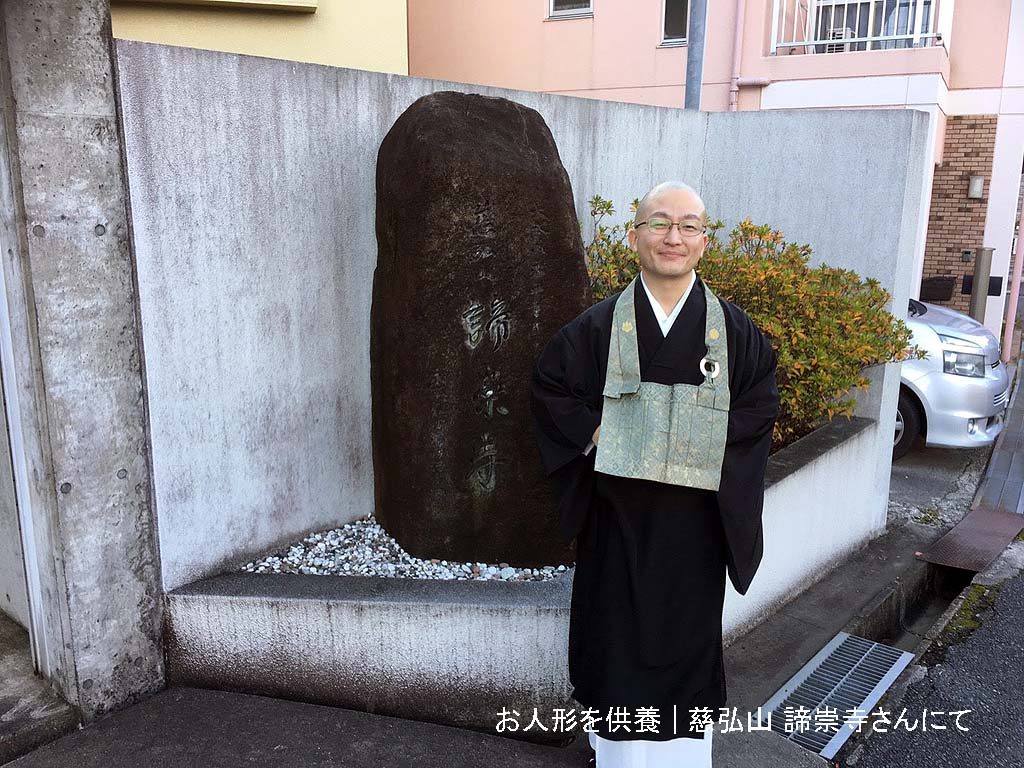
[(651, 558)]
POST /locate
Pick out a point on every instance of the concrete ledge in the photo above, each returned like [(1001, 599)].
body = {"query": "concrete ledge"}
[(820, 506), (802, 452), (449, 652)]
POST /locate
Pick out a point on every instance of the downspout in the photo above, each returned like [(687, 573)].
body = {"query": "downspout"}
[(737, 55), (1011, 306), (735, 81), (695, 54)]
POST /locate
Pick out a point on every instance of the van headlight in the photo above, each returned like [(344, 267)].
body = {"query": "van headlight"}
[(963, 363)]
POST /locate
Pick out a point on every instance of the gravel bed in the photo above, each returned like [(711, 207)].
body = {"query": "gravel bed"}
[(363, 548)]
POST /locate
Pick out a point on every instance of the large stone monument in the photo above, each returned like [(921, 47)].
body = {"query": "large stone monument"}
[(479, 263)]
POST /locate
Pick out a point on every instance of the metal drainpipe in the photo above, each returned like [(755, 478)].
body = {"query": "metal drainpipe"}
[(737, 52), (695, 54), (1011, 307), (979, 283)]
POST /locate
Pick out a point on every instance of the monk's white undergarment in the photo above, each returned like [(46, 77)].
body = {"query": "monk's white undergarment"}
[(641, 753)]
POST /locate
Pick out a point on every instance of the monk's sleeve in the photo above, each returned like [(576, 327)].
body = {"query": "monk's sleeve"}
[(753, 408), (562, 399), (566, 410)]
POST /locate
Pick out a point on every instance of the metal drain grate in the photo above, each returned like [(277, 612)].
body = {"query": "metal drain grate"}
[(850, 673)]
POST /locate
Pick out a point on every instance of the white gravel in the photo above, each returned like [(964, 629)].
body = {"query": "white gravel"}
[(363, 548)]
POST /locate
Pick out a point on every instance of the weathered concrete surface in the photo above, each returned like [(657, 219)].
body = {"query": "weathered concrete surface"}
[(184, 727), (13, 593), (455, 652), (450, 652), (479, 263), (194, 728), (935, 486), (31, 711), (807, 533), (254, 223), (70, 295)]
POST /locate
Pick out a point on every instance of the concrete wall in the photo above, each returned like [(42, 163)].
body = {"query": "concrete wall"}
[(71, 359), (13, 588), (456, 652), (453, 652), (804, 540), (13, 592), (252, 186)]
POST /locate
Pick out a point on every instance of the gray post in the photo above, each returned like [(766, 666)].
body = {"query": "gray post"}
[(695, 53), (73, 358), (979, 289)]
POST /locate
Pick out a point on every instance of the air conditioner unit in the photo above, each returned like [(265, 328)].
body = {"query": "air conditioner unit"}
[(839, 33)]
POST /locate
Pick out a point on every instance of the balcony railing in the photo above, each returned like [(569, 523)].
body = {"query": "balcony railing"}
[(836, 26)]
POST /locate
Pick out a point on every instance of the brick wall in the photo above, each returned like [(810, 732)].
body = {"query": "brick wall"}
[(956, 223)]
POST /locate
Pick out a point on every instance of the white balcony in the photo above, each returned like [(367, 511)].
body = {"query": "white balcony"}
[(835, 26)]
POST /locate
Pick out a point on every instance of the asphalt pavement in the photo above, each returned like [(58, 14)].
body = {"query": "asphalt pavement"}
[(976, 664), (935, 486)]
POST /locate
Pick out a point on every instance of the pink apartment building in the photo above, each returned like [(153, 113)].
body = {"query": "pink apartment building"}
[(961, 61)]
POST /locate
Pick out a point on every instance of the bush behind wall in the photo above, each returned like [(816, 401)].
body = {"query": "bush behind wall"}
[(827, 325)]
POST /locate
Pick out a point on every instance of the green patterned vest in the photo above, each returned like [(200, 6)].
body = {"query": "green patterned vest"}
[(670, 433)]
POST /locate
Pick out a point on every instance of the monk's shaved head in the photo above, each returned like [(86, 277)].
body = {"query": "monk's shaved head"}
[(647, 201)]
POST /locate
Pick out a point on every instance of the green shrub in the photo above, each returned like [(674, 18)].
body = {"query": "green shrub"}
[(826, 324)]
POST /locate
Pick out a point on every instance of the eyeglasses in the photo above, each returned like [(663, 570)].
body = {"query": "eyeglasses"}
[(659, 226)]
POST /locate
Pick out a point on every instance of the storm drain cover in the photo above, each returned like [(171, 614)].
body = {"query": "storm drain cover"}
[(823, 704)]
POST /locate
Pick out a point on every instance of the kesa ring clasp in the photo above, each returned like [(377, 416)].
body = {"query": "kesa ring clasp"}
[(710, 368)]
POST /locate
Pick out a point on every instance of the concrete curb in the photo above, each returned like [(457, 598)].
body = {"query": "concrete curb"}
[(448, 652)]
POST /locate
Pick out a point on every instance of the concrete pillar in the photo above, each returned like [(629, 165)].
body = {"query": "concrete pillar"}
[(72, 355)]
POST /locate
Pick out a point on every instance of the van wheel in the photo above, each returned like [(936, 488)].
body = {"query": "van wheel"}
[(908, 426)]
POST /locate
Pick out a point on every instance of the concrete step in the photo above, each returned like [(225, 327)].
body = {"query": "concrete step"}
[(31, 711), (448, 652)]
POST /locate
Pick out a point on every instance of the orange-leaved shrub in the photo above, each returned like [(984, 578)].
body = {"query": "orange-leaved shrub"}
[(827, 325)]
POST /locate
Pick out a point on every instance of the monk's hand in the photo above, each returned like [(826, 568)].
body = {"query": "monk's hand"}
[(596, 433)]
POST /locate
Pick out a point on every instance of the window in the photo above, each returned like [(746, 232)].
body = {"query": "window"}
[(676, 20), (571, 8)]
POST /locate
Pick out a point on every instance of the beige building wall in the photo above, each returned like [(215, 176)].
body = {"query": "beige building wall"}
[(359, 34), (615, 53), (979, 42)]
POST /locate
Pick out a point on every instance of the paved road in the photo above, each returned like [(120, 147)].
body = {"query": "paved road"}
[(984, 673), (935, 486)]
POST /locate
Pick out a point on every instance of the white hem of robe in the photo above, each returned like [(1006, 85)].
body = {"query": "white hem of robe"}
[(644, 753)]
